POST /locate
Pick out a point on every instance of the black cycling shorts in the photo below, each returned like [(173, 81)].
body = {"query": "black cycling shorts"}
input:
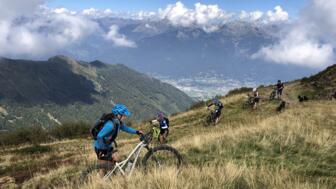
[(280, 91), (105, 155), (163, 131)]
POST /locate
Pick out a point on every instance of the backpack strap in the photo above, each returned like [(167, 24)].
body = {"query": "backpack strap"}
[(116, 127)]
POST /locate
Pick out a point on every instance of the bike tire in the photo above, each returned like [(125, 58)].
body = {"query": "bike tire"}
[(207, 121), (213, 119), (152, 156)]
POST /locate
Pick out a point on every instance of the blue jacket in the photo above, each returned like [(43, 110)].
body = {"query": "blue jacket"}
[(107, 131)]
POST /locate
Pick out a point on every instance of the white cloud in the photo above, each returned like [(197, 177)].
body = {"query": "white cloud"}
[(277, 15), (28, 29), (208, 17), (90, 11), (107, 11), (119, 39), (144, 15), (9, 9), (97, 13), (271, 16), (177, 14), (298, 48), (320, 15), (253, 16), (63, 10), (310, 41)]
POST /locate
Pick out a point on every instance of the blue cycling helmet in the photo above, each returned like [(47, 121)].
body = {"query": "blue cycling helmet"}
[(120, 109)]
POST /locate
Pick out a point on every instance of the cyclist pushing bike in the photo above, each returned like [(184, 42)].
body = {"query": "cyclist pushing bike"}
[(218, 108), (103, 143)]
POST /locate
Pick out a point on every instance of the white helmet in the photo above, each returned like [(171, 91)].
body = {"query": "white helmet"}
[(254, 89)]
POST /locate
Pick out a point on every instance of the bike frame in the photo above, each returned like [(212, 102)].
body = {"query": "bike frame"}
[(121, 165)]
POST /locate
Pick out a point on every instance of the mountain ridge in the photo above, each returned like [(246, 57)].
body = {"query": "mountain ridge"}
[(66, 88)]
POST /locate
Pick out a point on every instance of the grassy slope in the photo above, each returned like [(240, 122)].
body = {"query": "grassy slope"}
[(247, 149)]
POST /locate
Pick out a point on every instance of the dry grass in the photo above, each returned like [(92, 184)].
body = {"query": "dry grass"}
[(260, 149)]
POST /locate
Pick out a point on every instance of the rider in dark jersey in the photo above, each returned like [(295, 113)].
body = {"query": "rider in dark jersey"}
[(164, 127), (280, 86), (218, 108)]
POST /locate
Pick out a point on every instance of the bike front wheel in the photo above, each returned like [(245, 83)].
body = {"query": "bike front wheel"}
[(210, 120), (162, 156)]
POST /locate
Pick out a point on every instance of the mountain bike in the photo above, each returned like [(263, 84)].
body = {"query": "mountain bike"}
[(273, 94), (158, 157), (249, 103), (210, 119)]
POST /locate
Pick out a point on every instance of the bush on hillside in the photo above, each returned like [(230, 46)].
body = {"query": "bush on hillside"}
[(32, 135), (239, 91), (37, 134), (71, 130)]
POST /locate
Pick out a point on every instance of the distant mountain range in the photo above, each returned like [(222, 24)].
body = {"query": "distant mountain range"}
[(174, 51), (62, 89), (192, 54)]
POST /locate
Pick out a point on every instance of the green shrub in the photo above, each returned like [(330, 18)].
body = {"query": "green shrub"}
[(71, 130), (31, 135), (239, 91), (38, 134)]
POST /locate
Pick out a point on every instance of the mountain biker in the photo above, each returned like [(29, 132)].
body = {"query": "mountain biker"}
[(164, 127), (256, 98), (106, 154), (218, 108), (279, 86)]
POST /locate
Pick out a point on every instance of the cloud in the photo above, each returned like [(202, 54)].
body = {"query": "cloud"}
[(277, 15), (253, 16), (9, 9), (320, 15), (63, 10), (118, 39), (271, 16), (297, 48), (207, 17), (29, 29), (144, 15), (311, 39), (177, 14), (90, 11)]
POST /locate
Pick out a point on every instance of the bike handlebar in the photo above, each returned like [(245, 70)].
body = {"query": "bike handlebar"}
[(146, 137)]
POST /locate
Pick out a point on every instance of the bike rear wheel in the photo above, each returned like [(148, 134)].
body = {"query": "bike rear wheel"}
[(163, 156)]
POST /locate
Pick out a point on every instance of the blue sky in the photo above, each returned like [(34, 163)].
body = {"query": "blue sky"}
[(291, 6)]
